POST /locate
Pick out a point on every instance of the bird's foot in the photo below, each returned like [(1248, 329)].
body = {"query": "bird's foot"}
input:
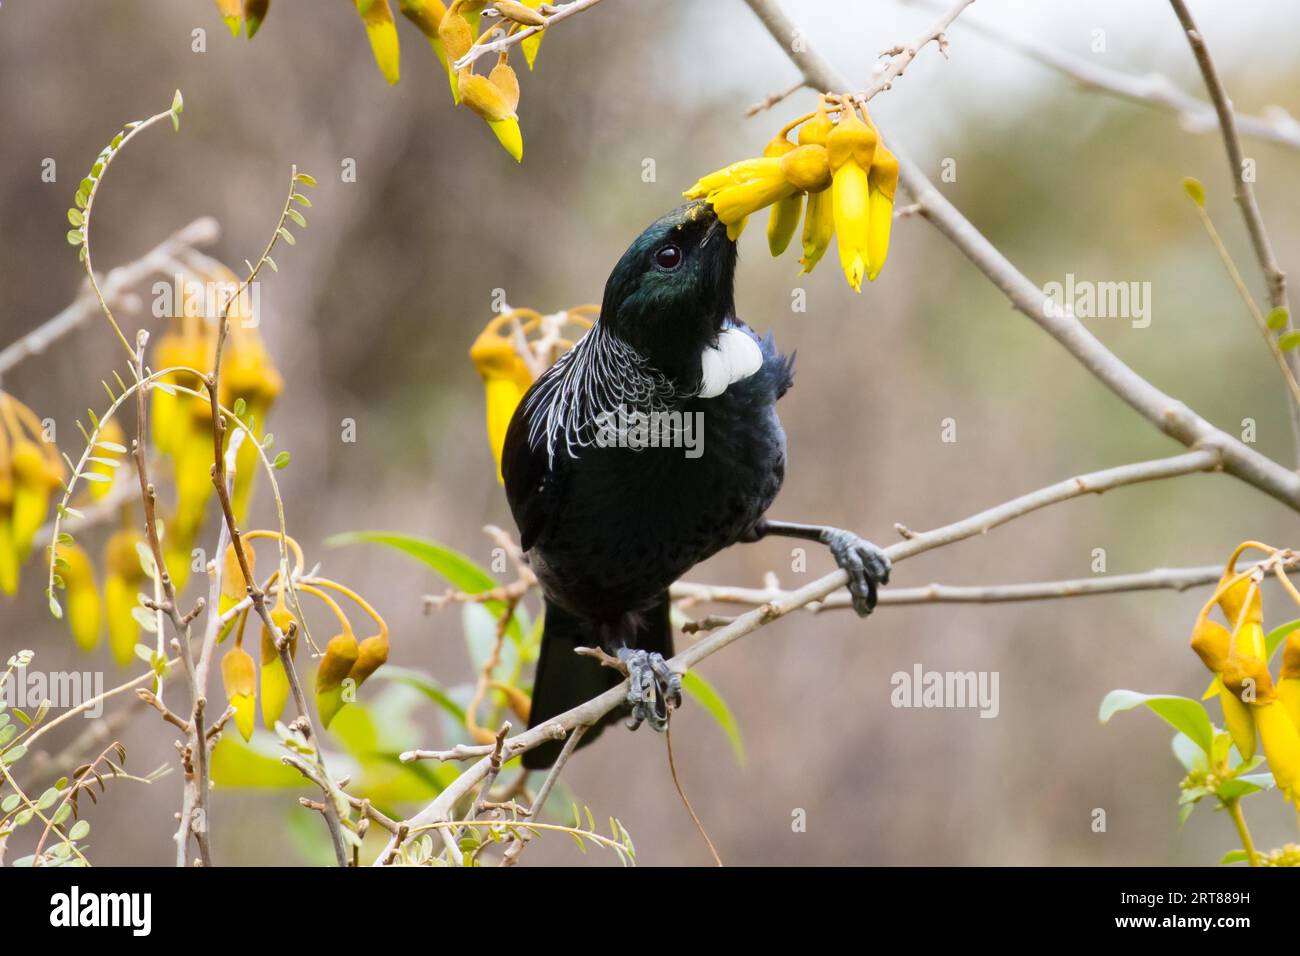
[(866, 565), (655, 688)]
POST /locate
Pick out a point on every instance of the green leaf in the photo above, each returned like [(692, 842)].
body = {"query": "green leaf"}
[(76, 218), (1289, 340), (1189, 754), (1195, 190), (286, 235), (708, 697), (236, 764), (293, 214), (306, 179), (1273, 640), (1234, 856), (241, 406), (300, 198), (281, 460), (178, 103), (79, 830), (1181, 713), (425, 685), (461, 573), (14, 754), (1278, 318), (74, 237)]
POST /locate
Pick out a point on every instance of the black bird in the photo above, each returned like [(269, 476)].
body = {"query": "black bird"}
[(607, 523)]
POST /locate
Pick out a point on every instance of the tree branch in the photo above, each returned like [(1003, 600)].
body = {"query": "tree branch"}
[(116, 284), (1168, 414), (505, 43), (1242, 188)]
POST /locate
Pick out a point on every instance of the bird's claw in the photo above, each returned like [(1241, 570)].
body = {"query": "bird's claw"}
[(654, 689), (866, 565)]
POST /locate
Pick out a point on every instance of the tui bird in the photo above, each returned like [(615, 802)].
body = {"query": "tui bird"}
[(649, 446)]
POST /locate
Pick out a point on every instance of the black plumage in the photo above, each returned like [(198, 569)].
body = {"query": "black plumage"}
[(608, 529)]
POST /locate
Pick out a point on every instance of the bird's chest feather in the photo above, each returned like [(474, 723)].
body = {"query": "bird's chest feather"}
[(631, 520)]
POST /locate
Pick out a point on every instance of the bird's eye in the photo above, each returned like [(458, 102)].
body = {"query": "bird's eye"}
[(668, 257)]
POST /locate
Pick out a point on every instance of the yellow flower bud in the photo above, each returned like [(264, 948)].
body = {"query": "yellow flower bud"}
[(484, 97), (34, 478), (519, 13), (234, 587), (456, 36), (238, 674), (816, 131), (818, 229), (807, 168), (1210, 641), (123, 577), (1237, 718), (371, 655), (425, 14), (84, 610), (275, 680), (1232, 600), (382, 33), (340, 654), (882, 184), (504, 79)]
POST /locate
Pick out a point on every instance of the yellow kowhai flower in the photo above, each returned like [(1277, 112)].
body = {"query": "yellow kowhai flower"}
[(123, 580), (381, 30), (84, 611), (30, 470), (507, 372), (850, 180), (1288, 684), (851, 147), (274, 678), (237, 673), (340, 654)]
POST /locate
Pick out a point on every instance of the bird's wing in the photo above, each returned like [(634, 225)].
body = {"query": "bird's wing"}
[(531, 484)]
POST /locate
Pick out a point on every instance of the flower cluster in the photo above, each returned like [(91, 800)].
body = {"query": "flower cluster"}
[(514, 348), (182, 422), (451, 30), (344, 666), (30, 470), (846, 172), (1255, 707)]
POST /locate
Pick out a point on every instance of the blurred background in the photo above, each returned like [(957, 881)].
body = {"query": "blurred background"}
[(373, 311)]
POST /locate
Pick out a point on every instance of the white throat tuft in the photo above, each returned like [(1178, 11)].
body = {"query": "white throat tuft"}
[(736, 356)]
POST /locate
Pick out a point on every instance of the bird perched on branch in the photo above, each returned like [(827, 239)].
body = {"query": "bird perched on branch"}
[(648, 447)]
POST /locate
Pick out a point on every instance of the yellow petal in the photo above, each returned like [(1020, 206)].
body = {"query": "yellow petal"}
[(1281, 743), (807, 168), (531, 44), (123, 630), (881, 219), (734, 203), (382, 32), (734, 229), (484, 97), (782, 223), (8, 557), (1288, 692), (745, 171), (510, 136), (230, 12), (852, 224), (275, 690), (244, 713), (340, 655), (371, 655), (818, 228), (1241, 725), (503, 397)]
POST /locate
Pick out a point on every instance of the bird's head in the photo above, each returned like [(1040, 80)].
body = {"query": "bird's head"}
[(672, 290)]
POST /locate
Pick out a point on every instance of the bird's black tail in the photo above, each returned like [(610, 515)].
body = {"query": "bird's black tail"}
[(565, 679)]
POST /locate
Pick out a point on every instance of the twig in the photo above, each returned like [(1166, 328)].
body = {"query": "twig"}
[(1149, 89), (1242, 188), (1172, 579), (901, 57), (505, 43), (1168, 414)]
